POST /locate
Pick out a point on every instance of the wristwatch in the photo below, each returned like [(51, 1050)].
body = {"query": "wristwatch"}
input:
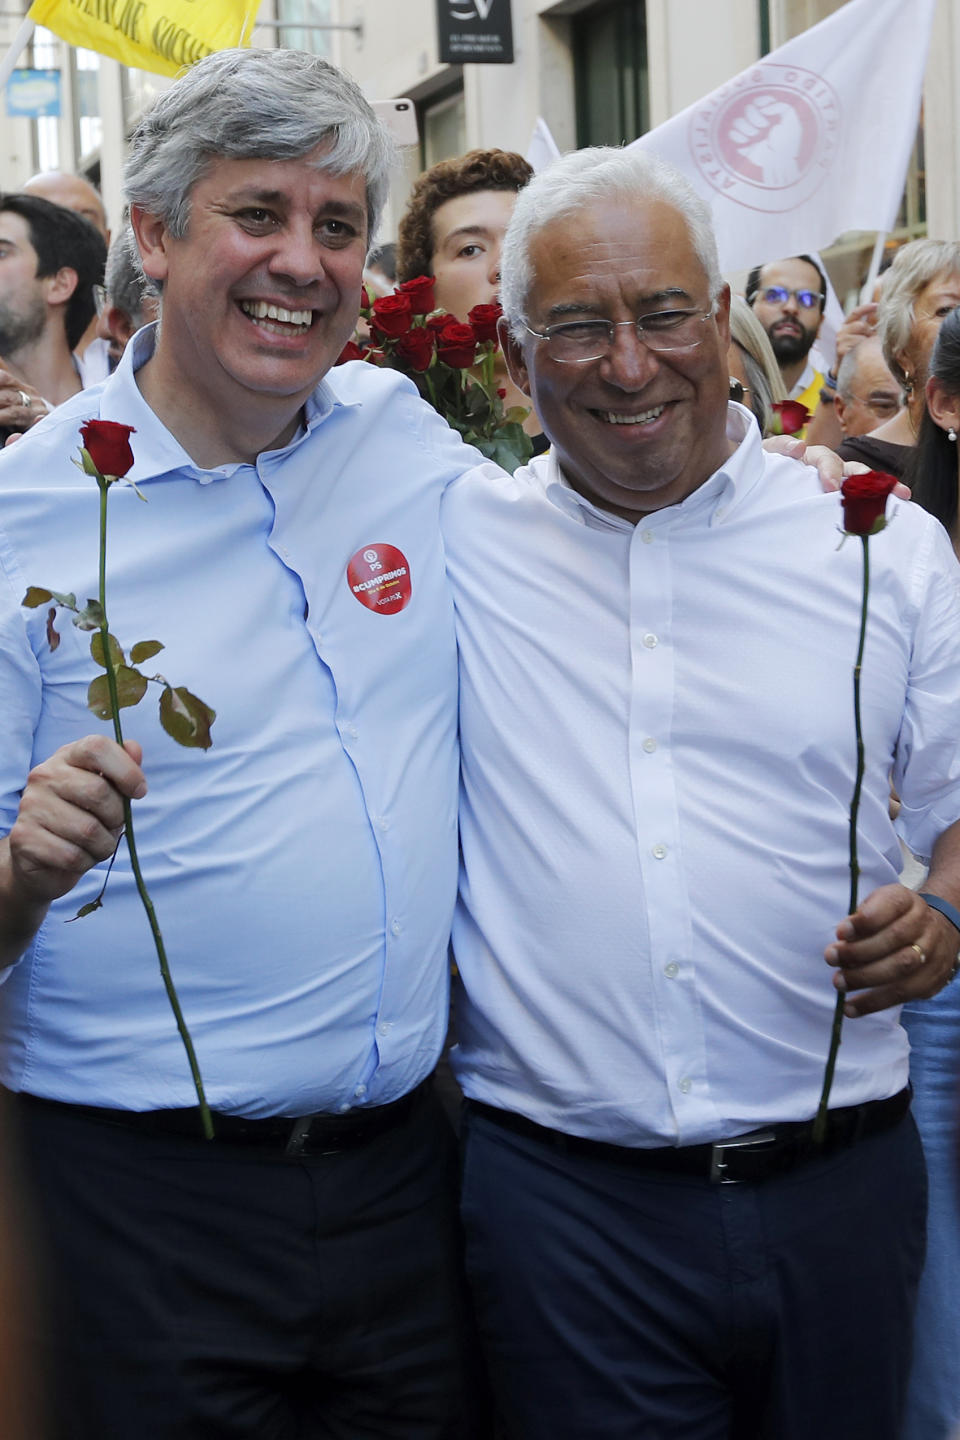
[(937, 902)]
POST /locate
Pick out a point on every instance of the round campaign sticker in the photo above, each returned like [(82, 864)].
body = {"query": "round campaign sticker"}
[(379, 577)]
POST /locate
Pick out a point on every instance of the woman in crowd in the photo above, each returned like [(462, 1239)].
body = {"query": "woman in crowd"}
[(920, 288), (933, 1407), (755, 379)]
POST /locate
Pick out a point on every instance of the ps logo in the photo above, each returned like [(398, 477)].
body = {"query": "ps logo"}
[(372, 559)]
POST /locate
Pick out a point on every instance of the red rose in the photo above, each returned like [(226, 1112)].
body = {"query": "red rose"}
[(350, 351), (365, 301), (484, 319), (392, 315), (416, 347), (440, 321), (108, 444), (789, 417), (419, 291), (457, 345), (864, 501)]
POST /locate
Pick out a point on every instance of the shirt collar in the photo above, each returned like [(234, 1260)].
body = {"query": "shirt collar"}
[(717, 496), (156, 451)]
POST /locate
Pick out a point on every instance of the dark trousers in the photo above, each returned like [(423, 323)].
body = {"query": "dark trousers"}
[(619, 1302), (205, 1290)]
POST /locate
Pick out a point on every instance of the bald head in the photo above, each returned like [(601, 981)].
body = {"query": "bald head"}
[(73, 193), (867, 394)]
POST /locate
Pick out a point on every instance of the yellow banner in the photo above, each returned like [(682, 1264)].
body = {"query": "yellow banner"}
[(158, 35)]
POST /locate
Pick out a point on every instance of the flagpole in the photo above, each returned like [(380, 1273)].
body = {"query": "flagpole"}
[(874, 269), (19, 43)]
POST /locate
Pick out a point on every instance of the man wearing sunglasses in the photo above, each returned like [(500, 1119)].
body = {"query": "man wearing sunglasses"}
[(788, 298)]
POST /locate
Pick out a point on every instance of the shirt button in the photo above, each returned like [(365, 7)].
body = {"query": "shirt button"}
[(384, 1027), (396, 927), (685, 1085), (352, 731), (671, 970), (647, 537), (360, 1091), (649, 744), (659, 852), (650, 641), (383, 823), (342, 1109)]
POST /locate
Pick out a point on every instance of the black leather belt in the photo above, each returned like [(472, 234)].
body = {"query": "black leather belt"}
[(746, 1158), (319, 1134)]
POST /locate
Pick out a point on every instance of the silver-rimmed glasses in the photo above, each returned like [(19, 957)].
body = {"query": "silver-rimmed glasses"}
[(574, 342)]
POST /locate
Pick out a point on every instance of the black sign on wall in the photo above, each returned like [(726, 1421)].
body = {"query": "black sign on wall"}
[(475, 32)]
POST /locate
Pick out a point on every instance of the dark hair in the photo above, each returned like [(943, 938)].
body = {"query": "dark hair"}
[(753, 280), (63, 239), (448, 179), (932, 469)]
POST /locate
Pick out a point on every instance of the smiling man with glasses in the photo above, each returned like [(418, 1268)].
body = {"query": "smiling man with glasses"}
[(788, 298), (656, 634)]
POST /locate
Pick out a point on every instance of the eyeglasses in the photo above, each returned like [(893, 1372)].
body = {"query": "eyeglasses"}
[(738, 390), (779, 295), (577, 341), (883, 406)]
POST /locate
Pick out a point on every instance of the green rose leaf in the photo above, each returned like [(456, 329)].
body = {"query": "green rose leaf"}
[(186, 718), (131, 687), (144, 650), (96, 650), (91, 617)]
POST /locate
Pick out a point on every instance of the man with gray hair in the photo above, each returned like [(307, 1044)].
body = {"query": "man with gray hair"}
[(124, 304), (867, 394), (657, 634), (300, 1273)]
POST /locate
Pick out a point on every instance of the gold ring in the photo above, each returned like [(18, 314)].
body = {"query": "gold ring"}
[(921, 953), (24, 399)]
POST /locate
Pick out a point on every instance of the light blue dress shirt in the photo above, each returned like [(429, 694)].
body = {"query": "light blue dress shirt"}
[(303, 868)]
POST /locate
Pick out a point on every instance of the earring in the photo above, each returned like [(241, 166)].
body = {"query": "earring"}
[(952, 434)]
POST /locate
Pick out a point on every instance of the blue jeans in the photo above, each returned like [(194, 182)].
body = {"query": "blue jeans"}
[(933, 1401)]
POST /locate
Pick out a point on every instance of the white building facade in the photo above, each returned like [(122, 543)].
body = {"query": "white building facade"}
[(596, 71)]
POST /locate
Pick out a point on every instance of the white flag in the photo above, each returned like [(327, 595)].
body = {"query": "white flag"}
[(542, 148), (812, 140)]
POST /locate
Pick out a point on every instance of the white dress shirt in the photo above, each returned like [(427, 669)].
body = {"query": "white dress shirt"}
[(658, 760)]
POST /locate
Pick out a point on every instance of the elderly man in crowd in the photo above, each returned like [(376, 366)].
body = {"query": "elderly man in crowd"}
[(299, 1274), (50, 262), (124, 305), (657, 634), (867, 394)]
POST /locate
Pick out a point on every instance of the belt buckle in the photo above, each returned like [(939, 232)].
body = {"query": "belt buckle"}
[(299, 1135), (718, 1164)]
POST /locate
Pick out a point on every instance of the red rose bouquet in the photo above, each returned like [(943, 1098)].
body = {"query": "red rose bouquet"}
[(451, 362)]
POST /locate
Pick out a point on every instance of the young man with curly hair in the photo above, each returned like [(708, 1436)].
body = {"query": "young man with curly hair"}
[(453, 229)]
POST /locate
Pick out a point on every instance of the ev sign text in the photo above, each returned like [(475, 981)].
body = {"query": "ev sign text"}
[(475, 32)]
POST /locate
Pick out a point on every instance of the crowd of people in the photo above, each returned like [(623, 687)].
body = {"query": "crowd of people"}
[(591, 719)]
